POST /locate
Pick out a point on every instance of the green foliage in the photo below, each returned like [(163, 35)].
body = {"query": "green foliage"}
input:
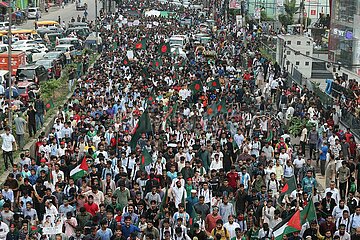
[(264, 16), (49, 87), (290, 10), (297, 124)]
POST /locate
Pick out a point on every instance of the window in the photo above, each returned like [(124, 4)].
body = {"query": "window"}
[(308, 43), (288, 52), (288, 42), (306, 63), (297, 53), (298, 42), (297, 63), (307, 53)]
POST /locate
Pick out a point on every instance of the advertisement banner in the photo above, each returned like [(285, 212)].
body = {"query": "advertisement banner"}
[(52, 224), (234, 4)]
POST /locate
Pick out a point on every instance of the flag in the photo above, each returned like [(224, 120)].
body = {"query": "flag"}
[(289, 187), (141, 44), (146, 159), (49, 105), (308, 214), (164, 48), (143, 126), (145, 73), (156, 63), (214, 84), (170, 115), (126, 61), (193, 216), (114, 46), (221, 107), (80, 170), (151, 99), (287, 226), (211, 110), (196, 86)]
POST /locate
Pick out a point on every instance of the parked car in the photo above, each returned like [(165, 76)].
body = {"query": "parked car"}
[(27, 91), (66, 48), (33, 11), (32, 73), (49, 65), (32, 54), (4, 77), (73, 41), (58, 56), (81, 6)]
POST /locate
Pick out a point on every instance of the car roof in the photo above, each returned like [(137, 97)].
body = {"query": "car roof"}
[(58, 52), (24, 83), (68, 38), (30, 66), (64, 45), (3, 72)]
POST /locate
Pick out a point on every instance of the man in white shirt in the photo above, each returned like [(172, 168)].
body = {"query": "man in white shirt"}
[(8, 140), (231, 226), (335, 192)]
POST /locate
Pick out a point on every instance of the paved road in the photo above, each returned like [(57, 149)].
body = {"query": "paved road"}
[(65, 13)]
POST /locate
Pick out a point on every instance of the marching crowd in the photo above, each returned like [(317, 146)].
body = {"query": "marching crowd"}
[(167, 146)]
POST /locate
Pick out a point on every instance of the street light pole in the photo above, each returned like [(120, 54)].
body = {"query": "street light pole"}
[(96, 24), (9, 64)]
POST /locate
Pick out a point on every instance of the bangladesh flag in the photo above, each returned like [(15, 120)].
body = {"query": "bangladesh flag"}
[(196, 86), (211, 110), (288, 188), (146, 159), (214, 84), (141, 44), (49, 105), (308, 214), (151, 99), (164, 48), (143, 126), (221, 106), (126, 61), (157, 63), (80, 170), (114, 45), (145, 73), (289, 225), (164, 201)]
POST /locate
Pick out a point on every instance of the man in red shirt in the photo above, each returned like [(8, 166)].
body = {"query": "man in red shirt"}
[(348, 135), (233, 177), (90, 206)]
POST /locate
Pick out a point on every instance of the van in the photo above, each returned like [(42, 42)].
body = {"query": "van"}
[(32, 73), (33, 12)]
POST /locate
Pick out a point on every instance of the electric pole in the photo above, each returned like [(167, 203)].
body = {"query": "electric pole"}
[(9, 64)]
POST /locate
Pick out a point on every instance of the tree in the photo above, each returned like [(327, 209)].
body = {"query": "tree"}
[(290, 10)]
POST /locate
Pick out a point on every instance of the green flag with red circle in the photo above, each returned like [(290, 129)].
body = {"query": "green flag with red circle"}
[(141, 44), (196, 86), (49, 104), (164, 48), (214, 84)]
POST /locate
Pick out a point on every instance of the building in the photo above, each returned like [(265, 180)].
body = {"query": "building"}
[(344, 35), (294, 52), (273, 8)]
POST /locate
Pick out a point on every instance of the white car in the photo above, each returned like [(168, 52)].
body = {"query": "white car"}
[(24, 42), (36, 53), (33, 11)]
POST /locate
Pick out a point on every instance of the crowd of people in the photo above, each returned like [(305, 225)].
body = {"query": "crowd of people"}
[(171, 146)]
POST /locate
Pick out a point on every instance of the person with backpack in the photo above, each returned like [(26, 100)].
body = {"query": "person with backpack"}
[(220, 232)]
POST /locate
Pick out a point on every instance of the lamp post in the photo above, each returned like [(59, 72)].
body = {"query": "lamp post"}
[(9, 63)]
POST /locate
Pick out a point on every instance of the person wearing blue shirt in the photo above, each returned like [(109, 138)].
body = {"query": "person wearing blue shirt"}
[(128, 228), (309, 182), (323, 152), (104, 233)]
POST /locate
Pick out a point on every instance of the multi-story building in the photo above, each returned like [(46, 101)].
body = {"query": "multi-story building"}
[(344, 35)]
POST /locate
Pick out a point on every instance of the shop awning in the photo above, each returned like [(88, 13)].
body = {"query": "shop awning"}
[(4, 4)]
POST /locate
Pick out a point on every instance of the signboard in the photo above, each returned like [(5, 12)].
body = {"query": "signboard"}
[(239, 21), (341, 33), (52, 224), (234, 4), (257, 13), (130, 54), (313, 12)]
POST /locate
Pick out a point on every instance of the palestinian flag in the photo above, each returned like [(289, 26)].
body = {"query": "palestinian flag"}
[(126, 61), (214, 84), (80, 170), (287, 226), (196, 86), (49, 105), (141, 44), (164, 48), (146, 159), (143, 126), (288, 188), (308, 214)]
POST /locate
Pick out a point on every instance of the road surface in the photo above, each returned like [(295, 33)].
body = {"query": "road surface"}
[(65, 14)]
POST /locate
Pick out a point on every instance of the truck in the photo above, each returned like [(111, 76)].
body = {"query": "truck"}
[(18, 58)]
